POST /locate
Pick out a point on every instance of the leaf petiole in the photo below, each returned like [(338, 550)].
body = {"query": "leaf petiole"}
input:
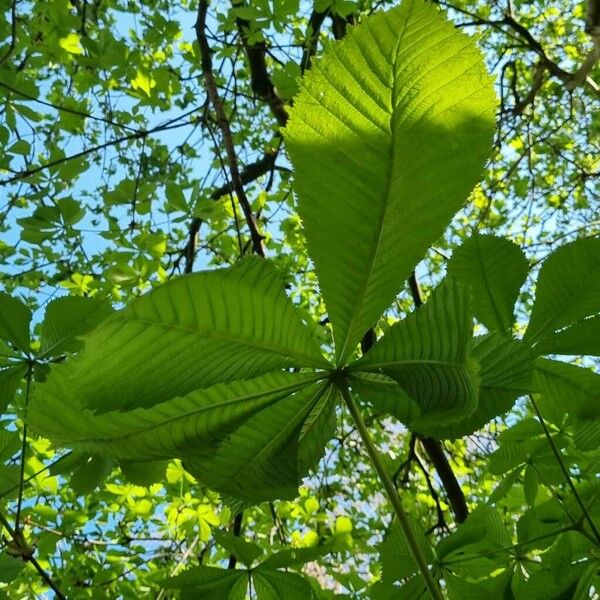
[(391, 492)]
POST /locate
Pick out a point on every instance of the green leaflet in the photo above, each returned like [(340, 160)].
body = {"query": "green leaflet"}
[(506, 369), (495, 269), (66, 319), (209, 582), (294, 557), (581, 338), (224, 584), (567, 388), (387, 137), (10, 567), (460, 588), (412, 589), (192, 332), (143, 473), (186, 426), (397, 561), (91, 474), (14, 322), (245, 552), (427, 355), (266, 456), (275, 585), (10, 378), (568, 288), (484, 530), (544, 584), (385, 395)]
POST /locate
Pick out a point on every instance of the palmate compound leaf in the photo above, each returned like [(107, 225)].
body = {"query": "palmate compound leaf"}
[(567, 292), (387, 136), (495, 269), (427, 355), (190, 333), (199, 369)]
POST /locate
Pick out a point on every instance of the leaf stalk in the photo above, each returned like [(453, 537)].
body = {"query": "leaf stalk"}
[(392, 492)]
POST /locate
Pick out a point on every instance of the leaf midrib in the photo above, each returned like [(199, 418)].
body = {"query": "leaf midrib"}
[(372, 367), (216, 406), (344, 350), (214, 334)]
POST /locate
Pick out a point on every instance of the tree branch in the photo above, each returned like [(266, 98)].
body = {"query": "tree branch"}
[(236, 529), (260, 80), (223, 122), (18, 547), (250, 173), (13, 33), (312, 38)]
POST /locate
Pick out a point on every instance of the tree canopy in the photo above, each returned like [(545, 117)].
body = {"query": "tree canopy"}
[(300, 299)]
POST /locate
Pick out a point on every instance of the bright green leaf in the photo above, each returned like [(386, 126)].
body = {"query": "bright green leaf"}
[(387, 137)]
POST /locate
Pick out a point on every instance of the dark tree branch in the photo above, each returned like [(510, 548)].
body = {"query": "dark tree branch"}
[(538, 81), (260, 80), (339, 25), (592, 18), (236, 529), (312, 38), (570, 80), (437, 456), (223, 122), (441, 521)]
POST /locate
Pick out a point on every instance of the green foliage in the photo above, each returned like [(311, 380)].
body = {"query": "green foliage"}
[(204, 440), (426, 354), (361, 137), (568, 288)]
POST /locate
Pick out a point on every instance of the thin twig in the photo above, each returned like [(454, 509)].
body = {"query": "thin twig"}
[(25, 553), (25, 174)]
